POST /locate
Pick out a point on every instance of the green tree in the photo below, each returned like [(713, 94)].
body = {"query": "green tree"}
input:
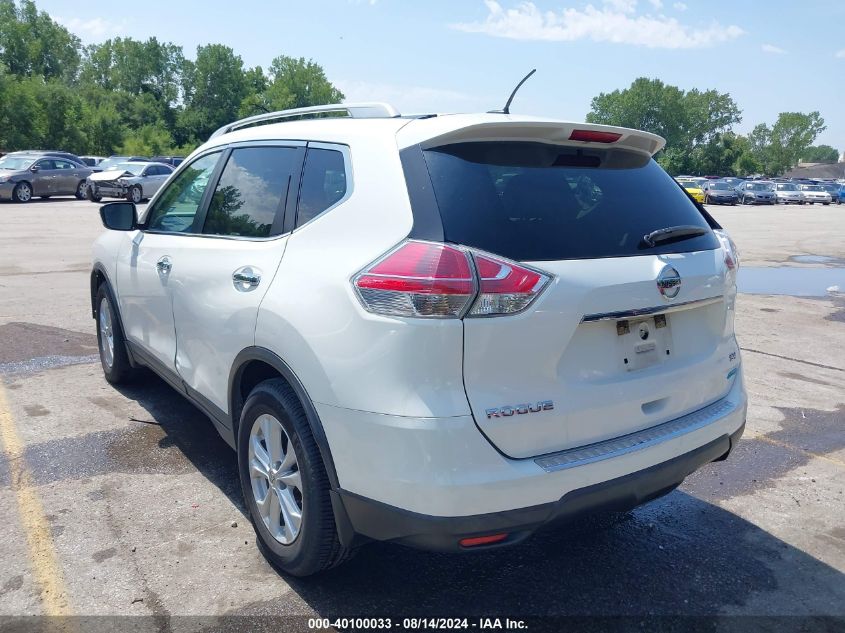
[(297, 83), (32, 44), (780, 147), (820, 154), (215, 87), (689, 121)]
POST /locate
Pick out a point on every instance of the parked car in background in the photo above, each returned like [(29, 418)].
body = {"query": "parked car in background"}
[(173, 161), (693, 188), (788, 193), (719, 192), (48, 152), (816, 193), (92, 161), (25, 176), (756, 192), (111, 161), (135, 181), (732, 181), (832, 188)]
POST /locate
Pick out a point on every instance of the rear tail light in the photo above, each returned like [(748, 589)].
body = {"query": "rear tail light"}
[(730, 250), (505, 287), (426, 279), (418, 279), (475, 541)]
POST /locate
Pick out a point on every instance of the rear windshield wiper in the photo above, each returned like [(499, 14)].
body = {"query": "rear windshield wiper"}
[(672, 234)]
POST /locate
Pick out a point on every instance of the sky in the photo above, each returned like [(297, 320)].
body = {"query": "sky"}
[(467, 55)]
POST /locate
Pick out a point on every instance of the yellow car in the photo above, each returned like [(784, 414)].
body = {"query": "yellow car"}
[(694, 189)]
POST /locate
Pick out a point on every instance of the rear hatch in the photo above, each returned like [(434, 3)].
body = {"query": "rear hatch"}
[(601, 352)]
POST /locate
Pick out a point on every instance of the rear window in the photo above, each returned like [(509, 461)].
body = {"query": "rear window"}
[(536, 202)]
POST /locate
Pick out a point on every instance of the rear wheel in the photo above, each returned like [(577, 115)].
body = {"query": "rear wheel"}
[(112, 345), (22, 192), (80, 190), (285, 484)]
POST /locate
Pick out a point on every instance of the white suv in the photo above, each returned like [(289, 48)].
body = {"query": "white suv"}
[(444, 331)]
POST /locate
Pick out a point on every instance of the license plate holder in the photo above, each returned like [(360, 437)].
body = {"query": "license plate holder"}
[(643, 342)]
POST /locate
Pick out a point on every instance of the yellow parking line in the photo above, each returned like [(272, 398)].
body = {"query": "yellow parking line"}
[(42, 554)]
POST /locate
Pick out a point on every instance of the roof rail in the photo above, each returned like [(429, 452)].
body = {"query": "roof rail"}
[(353, 110)]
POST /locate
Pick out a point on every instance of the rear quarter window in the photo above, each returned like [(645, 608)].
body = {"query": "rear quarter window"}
[(540, 202)]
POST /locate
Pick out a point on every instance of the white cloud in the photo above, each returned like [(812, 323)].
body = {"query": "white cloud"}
[(657, 4), (774, 50), (840, 54), (409, 99), (615, 21), (93, 29), (679, 6)]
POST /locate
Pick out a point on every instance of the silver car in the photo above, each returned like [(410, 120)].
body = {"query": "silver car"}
[(788, 193), (25, 176), (134, 181), (815, 193)]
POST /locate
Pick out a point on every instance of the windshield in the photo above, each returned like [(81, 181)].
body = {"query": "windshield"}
[(759, 186), (787, 187), (689, 184), (133, 168), (812, 188), (16, 162), (112, 163), (540, 202), (723, 186)]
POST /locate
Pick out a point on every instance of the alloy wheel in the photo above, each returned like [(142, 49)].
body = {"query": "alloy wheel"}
[(24, 192), (275, 477), (106, 333)]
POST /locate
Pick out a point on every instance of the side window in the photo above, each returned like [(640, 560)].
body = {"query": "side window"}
[(323, 183), (46, 164), (177, 207), (62, 164), (253, 189)]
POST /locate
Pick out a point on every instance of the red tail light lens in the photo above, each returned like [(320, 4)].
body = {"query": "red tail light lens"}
[(505, 287), (475, 541), (418, 279), (594, 136), (426, 279)]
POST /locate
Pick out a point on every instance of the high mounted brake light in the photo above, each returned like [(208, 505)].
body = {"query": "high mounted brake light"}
[(429, 279), (594, 136)]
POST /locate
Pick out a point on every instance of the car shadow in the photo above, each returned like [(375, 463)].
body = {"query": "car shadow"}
[(681, 555)]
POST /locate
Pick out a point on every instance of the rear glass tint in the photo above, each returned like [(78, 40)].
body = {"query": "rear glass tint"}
[(540, 202)]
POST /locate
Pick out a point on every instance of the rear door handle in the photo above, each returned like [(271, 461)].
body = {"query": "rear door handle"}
[(246, 278), (164, 265)]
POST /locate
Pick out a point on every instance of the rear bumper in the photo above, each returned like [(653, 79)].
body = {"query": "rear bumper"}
[(430, 482), (382, 522)]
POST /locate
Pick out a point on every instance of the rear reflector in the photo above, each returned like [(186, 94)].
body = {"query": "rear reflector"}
[(475, 541), (594, 136), (431, 279)]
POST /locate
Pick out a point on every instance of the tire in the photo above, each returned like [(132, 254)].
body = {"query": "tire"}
[(273, 410), (110, 340), (706, 199), (825, 203), (22, 192), (135, 194), (93, 197), (80, 190)]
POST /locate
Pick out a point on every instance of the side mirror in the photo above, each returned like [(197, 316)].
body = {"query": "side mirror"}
[(119, 216), (34, 168)]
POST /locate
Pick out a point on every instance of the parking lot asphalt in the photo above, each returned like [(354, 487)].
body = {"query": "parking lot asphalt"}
[(125, 501)]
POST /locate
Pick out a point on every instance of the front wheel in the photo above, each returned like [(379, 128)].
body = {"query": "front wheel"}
[(22, 192), (135, 194), (285, 484), (93, 196), (112, 345)]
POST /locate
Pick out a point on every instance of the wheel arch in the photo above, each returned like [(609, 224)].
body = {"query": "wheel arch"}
[(255, 364)]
